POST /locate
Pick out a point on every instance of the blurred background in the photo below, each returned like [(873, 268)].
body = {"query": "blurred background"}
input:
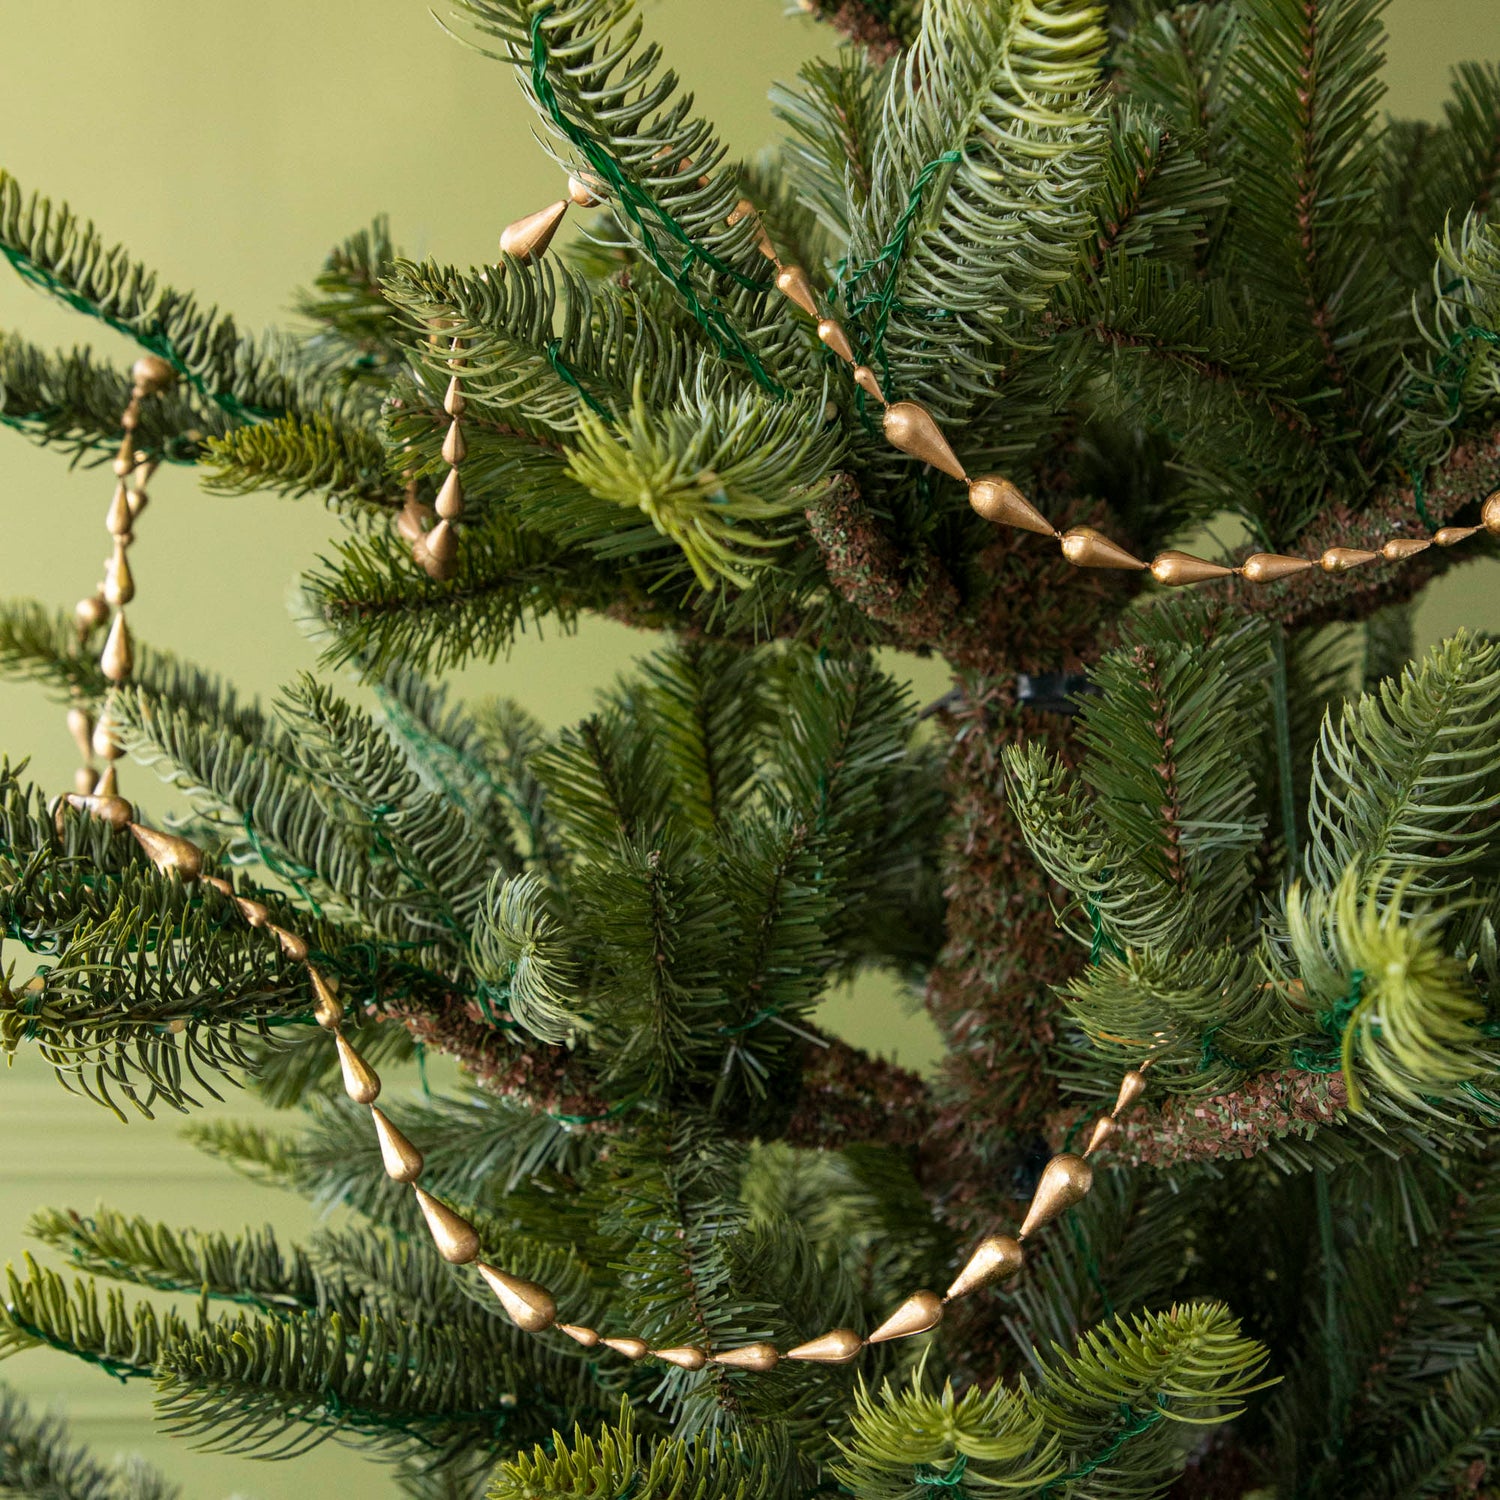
[(230, 147)]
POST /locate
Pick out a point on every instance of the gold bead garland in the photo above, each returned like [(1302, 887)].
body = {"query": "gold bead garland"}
[(149, 376)]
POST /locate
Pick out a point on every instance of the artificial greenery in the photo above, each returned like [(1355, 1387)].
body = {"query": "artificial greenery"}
[(1169, 268)]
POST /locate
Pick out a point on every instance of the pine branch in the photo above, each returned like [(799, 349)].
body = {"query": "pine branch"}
[(881, 27)]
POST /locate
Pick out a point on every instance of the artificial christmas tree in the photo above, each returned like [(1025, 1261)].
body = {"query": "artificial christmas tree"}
[(1197, 869)]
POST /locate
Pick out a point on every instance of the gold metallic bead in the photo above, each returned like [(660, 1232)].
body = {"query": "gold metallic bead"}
[(1177, 568), (361, 1081), (117, 660), (130, 418), (527, 1305), (865, 379), (442, 543), (152, 374), (831, 331), (995, 498), (1489, 515), (793, 284), (81, 727), (119, 518), (581, 194), (1132, 1086), (108, 783), (138, 500), (1065, 1180), (527, 239), (115, 811), (170, 854), (758, 1357), (684, 1356), (402, 1160), (741, 210), (997, 1257), (1103, 1131), (920, 1311), (411, 520), (328, 1009), (450, 499), (1399, 548), (453, 400), (104, 742), (1341, 559), (452, 1234), (219, 884), (252, 911), (630, 1348), (84, 779), (1447, 536), (911, 428), (126, 459), (1086, 548), (588, 1337), (455, 449), (836, 1347), (291, 945), (90, 613), (1267, 567), (119, 582)]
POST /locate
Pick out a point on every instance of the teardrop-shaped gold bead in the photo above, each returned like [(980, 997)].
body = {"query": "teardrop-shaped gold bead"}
[(115, 811), (361, 1081), (684, 1356), (104, 742), (293, 946), (402, 1160), (108, 784), (1489, 515), (442, 543), (151, 374), (452, 1234), (119, 582), (741, 210), (85, 778), (252, 911), (866, 379), (453, 400), (911, 428), (1086, 548), (758, 1357), (1399, 548), (997, 1257), (170, 854), (450, 499), (1267, 567), (118, 517), (138, 499), (792, 283), (527, 1304), (995, 498), (117, 660), (328, 1009), (1177, 568), (126, 459), (81, 727), (412, 519), (527, 239), (920, 1311), (836, 1347), (831, 331), (219, 884), (455, 448), (1100, 1136), (1342, 559), (90, 613), (1064, 1181), (588, 1337), (581, 194), (1132, 1086), (1448, 536), (630, 1348)]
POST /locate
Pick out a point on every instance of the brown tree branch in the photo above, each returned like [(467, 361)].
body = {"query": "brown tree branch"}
[(860, 22)]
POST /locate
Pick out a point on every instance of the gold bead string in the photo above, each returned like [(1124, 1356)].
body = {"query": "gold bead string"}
[(1064, 1181), (133, 470)]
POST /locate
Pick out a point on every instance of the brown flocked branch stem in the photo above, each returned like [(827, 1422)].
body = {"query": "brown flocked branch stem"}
[(1234, 1125)]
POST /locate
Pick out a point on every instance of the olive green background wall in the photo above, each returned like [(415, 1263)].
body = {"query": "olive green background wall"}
[(230, 146)]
